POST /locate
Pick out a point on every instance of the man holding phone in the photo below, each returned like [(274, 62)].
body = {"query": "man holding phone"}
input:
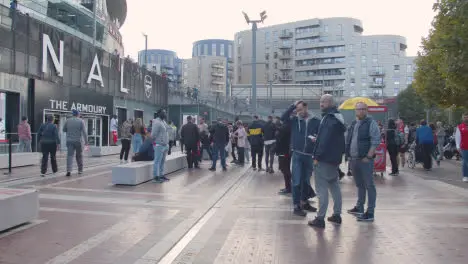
[(304, 128)]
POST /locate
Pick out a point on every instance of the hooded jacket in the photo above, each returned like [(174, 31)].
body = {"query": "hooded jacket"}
[(330, 144), (301, 129)]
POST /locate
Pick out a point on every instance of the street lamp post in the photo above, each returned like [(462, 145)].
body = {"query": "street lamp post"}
[(146, 51), (263, 16)]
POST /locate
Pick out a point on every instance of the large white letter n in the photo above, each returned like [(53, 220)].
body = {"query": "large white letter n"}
[(47, 46)]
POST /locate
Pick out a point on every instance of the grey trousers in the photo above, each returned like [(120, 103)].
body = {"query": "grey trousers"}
[(72, 148), (326, 177)]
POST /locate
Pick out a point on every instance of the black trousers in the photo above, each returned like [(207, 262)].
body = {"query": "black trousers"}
[(393, 153), (191, 155), (172, 143), (139, 157), (284, 163), (49, 149), (426, 155), (241, 153), (257, 151), (125, 148)]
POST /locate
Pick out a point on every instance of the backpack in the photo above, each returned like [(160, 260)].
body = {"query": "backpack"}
[(399, 137)]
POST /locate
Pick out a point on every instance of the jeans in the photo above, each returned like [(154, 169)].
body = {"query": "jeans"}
[(73, 147), (160, 152), (364, 179), (270, 155), (125, 148), (208, 149), (326, 177), (257, 150), (49, 149), (137, 141), (301, 172), (233, 151), (218, 150), (464, 154), (241, 154), (24, 145), (247, 154), (285, 168)]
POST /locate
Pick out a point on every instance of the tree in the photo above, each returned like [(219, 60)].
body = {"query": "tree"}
[(441, 77), (411, 106)]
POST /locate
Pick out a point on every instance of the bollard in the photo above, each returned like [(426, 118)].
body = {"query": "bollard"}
[(9, 155)]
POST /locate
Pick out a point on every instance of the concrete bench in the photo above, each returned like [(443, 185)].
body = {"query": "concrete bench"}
[(17, 206), (20, 159), (104, 151), (142, 171)]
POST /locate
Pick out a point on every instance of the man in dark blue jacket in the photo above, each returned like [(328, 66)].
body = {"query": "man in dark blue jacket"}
[(256, 142), (146, 151), (219, 135), (304, 129), (328, 155)]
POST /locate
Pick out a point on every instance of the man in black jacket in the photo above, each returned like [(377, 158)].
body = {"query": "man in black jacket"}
[(328, 155), (190, 136), (219, 134), (269, 133), (256, 143), (283, 150)]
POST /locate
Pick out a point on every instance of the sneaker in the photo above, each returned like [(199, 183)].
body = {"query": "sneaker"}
[(80, 172), (438, 163), (212, 169), (272, 171), (164, 178), (68, 174), (341, 175), (355, 211), (284, 191), (42, 174), (366, 217), (336, 219), (254, 168), (224, 169), (260, 169), (309, 208), (350, 173), (298, 211), (318, 223), (158, 180), (465, 179)]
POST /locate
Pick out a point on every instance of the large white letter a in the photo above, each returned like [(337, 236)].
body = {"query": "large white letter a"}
[(98, 76)]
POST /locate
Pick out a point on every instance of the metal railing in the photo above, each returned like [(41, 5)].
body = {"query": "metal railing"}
[(16, 144)]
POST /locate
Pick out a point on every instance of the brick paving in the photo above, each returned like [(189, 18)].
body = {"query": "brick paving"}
[(234, 217)]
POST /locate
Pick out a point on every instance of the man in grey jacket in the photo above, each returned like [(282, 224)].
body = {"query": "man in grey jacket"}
[(160, 144), (75, 129)]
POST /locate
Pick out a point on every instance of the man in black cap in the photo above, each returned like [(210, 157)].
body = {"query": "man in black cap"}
[(256, 142)]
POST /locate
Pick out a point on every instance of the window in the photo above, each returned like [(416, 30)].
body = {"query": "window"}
[(363, 59), (276, 65), (352, 82), (213, 49), (409, 80), (198, 50), (396, 91), (363, 45), (275, 35), (325, 28), (352, 60), (350, 47), (205, 49), (364, 71), (221, 50), (375, 45), (230, 51), (267, 37), (409, 68), (239, 41), (363, 92), (351, 71), (267, 66), (396, 81), (375, 59), (396, 68), (267, 56), (364, 82)]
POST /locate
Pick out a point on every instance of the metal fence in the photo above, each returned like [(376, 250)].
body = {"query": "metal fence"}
[(5, 139)]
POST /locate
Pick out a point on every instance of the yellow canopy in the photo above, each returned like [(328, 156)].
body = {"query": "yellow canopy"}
[(350, 104)]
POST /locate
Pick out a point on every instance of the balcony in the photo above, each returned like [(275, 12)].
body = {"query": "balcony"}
[(286, 35), (285, 46), (217, 82), (230, 67), (285, 67), (285, 56), (376, 85), (377, 73), (217, 65), (217, 74), (285, 78)]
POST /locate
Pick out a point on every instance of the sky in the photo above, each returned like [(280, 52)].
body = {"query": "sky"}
[(176, 24)]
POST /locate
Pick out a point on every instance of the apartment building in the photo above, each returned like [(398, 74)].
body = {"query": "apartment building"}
[(331, 54), (211, 67)]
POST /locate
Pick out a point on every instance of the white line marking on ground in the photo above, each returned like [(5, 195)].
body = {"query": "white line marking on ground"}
[(74, 211)]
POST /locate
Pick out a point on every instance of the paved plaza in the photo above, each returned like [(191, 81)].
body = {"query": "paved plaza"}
[(232, 217)]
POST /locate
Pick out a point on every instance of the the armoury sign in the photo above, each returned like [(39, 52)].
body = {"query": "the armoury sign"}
[(95, 71)]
